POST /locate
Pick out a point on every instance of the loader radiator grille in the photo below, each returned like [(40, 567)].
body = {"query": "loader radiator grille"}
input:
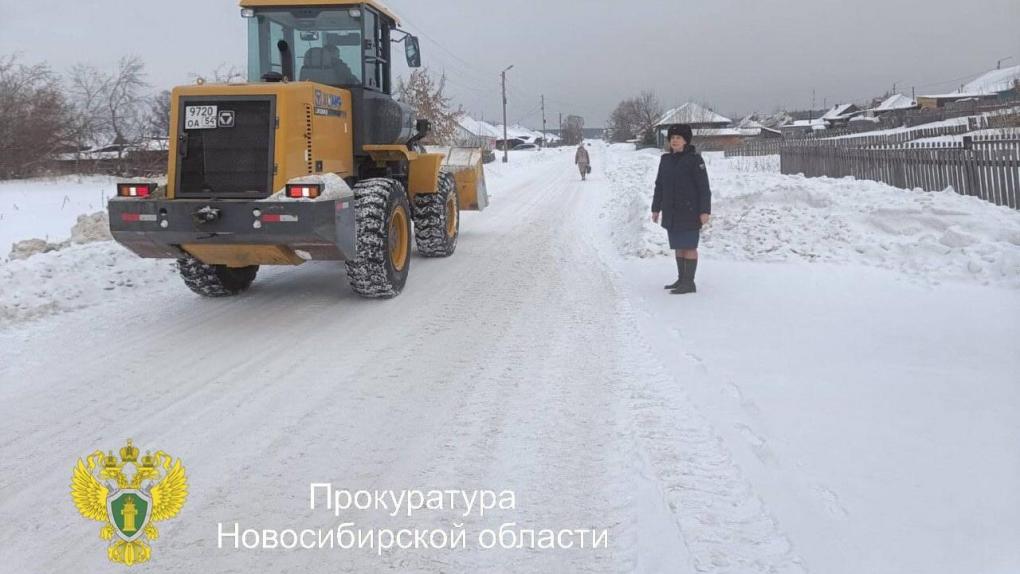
[(232, 159)]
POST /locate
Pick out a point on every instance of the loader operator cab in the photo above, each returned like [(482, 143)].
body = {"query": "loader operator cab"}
[(345, 45)]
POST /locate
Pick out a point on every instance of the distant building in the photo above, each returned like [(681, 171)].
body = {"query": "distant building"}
[(996, 85), (802, 128), (476, 133), (894, 103), (933, 101), (706, 125), (1003, 83), (839, 115)]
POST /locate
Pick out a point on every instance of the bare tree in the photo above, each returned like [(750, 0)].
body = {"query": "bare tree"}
[(88, 123), (158, 121), (573, 130), (222, 74), (635, 118), (33, 117), (427, 97), (124, 101)]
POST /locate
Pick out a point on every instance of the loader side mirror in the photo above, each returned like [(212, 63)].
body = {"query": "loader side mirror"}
[(413, 51)]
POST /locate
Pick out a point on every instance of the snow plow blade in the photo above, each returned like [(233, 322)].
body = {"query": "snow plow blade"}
[(465, 164)]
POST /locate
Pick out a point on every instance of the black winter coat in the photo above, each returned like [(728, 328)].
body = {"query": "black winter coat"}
[(681, 190)]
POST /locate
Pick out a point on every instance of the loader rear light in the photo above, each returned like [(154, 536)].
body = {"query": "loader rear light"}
[(133, 217), (303, 190), (135, 189), (279, 218)]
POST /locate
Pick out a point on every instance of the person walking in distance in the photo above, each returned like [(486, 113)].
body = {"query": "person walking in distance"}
[(683, 204), (582, 160)]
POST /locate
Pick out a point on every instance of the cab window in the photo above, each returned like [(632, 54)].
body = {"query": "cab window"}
[(325, 45)]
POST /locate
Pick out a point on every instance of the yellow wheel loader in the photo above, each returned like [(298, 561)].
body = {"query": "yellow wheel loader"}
[(311, 159)]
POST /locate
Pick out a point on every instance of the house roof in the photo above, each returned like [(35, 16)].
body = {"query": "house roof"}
[(895, 102), (993, 82), (956, 96), (708, 132), (749, 122), (691, 113), (837, 112), (478, 127), (817, 123)]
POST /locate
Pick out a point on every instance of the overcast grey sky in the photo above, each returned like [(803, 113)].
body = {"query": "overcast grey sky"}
[(585, 56)]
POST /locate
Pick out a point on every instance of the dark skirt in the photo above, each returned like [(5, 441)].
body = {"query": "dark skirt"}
[(683, 238)]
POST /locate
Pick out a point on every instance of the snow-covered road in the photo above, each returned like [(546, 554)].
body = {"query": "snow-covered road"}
[(536, 360)]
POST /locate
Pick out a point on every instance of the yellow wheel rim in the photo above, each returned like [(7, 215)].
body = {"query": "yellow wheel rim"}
[(451, 216), (399, 238)]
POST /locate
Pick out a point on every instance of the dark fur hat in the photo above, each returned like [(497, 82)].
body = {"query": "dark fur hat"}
[(682, 130)]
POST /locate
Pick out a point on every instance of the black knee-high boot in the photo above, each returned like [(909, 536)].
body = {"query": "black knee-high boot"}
[(679, 274), (687, 280)]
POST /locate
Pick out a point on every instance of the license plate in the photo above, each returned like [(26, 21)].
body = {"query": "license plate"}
[(200, 117)]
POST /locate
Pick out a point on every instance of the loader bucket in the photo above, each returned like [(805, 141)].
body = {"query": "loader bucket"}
[(465, 164)]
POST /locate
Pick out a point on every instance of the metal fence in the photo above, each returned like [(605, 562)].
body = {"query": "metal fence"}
[(983, 166)]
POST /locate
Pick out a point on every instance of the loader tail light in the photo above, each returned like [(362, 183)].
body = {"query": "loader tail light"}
[(135, 189), (303, 190)]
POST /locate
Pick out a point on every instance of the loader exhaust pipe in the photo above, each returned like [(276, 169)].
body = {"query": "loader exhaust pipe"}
[(288, 62)]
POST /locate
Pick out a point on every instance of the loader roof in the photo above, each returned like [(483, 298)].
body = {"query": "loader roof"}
[(319, 3)]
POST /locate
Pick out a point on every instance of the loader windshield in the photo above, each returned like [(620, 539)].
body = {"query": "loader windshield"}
[(325, 45)]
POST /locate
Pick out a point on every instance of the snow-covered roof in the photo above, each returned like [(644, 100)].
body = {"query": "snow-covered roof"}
[(703, 132), (748, 122), (837, 112), (691, 113), (479, 128), (993, 82), (895, 102), (956, 96), (817, 123)]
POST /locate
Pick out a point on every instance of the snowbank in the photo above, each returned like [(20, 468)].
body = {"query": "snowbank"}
[(44, 278), (76, 277), (761, 215), (87, 229), (47, 207)]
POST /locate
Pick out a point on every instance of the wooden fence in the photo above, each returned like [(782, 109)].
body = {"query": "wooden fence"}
[(757, 148), (986, 167)]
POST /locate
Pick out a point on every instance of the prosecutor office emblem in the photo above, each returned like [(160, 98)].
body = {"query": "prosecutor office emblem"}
[(129, 495)]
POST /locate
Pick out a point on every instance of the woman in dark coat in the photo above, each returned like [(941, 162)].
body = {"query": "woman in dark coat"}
[(683, 202)]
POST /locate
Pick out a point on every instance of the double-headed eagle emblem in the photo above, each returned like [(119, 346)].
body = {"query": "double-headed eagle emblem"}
[(129, 495)]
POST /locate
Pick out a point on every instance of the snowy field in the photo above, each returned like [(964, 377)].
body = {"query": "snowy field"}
[(840, 397), (46, 208)]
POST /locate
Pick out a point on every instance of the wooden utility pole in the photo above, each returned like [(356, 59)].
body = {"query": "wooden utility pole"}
[(506, 157), (544, 137)]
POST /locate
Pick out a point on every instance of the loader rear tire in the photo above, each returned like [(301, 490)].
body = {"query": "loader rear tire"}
[(437, 219), (215, 280), (383, 220)]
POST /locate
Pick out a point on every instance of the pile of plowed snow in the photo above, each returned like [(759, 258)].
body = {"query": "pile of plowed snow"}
[(762, 215), (43, 278), (47, 207)]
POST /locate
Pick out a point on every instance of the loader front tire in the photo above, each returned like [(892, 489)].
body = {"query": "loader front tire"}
[(215, 280), (437, 219), (383, 220)]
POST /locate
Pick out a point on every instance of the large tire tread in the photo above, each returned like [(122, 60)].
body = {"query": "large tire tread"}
[(215, 280), (430, 219), (371, 274)]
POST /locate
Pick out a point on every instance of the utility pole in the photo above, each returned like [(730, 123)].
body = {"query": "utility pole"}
[(506, 157), (544, 137)]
